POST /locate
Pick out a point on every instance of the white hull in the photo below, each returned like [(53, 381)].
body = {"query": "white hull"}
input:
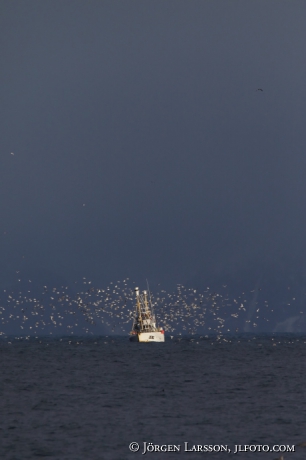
[(148, 337), (151, 337)]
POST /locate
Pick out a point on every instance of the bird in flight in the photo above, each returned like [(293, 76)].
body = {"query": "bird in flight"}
[(259, 89)]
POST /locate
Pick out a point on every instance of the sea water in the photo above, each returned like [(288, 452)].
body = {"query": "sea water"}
[(91, 398)]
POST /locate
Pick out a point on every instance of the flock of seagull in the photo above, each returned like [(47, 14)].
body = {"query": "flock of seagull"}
[(63, 311)]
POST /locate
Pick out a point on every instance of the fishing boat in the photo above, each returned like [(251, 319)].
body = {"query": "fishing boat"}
[(144, 323)]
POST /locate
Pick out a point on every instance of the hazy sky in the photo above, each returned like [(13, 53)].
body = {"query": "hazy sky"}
[(142, 146)]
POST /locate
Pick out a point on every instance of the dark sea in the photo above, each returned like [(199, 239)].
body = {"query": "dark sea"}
[(90, 398)]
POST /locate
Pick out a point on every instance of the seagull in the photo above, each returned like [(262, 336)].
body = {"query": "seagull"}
[(12, 153)]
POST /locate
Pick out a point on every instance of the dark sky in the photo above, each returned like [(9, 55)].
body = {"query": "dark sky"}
[(149, 114)]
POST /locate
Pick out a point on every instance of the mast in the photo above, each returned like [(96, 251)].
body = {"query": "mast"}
[(138, 308), (150, 300), (151, 304)]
